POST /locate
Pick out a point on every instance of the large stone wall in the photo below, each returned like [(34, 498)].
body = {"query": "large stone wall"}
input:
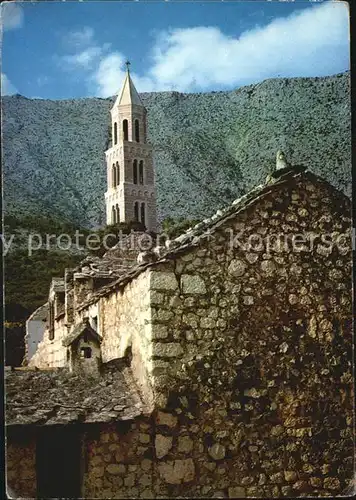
[(119, 461), (252, 353), (21, 465), (125, 322)]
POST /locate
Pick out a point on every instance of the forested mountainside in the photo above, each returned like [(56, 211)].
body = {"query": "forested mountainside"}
[(209, 148)]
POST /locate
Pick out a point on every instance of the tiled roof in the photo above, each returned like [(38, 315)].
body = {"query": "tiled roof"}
[(48, 397)]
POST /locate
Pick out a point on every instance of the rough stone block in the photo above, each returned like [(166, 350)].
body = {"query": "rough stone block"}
[(185, 444), (116, 469), (237, 268), (177, 472), (192, 284), (168, 350), (166, 419), (237, 492), (163, 281), (217, 451), (159, 331), (162, 445)]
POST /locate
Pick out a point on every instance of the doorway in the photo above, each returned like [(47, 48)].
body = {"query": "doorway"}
[(58, 462)]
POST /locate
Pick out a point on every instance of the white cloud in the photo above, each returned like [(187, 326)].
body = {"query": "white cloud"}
[(12, 16), (7, 88), (83, 59), (310, 42)]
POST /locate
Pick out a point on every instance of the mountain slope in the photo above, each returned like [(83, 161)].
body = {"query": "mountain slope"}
[(209, 148)]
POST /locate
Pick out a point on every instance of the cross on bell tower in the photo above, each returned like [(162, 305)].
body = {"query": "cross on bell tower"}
[(130, 194)]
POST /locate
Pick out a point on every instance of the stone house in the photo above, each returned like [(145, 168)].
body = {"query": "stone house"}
[(224, 361)]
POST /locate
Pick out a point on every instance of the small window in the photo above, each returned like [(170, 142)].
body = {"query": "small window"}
[(117, 214), (85, 352), (125, 130), (137, 131), (115, 133), (117, 173), (136, 211), (134, 166), (141, 172), (143, 213), (113, 173), (85, 337), (68, 355)]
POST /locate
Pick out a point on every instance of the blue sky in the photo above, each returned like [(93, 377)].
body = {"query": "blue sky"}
[(62, 50)]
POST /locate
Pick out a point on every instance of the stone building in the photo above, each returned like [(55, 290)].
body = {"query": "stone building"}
[(130, 191), (224, 361)]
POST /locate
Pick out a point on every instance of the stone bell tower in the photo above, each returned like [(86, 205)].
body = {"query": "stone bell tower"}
[(130, 194)]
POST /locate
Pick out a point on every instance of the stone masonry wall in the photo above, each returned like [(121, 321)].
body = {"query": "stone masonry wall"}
[(21, 465), (251, 352), (119, 461), (124, 322)]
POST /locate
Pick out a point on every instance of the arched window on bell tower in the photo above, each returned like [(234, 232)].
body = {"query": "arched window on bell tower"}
[(136, 211), (115, 133), (117, 173), (113, 215), (141, 172), (117, 213), (143, 218), (113, 175), (137, 131), (134, 172), (125, 130)]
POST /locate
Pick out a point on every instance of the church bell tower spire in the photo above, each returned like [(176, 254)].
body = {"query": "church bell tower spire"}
[(130, 194)]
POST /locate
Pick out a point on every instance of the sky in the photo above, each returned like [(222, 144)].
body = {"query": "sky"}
[(65, 50)]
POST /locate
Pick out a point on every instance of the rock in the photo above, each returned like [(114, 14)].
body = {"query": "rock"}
[(116, 469), (177, 472), (248, 300), (331, 483), (217, 451), (290, 475), (207, 323), (251, 257), (185, 444), (237, 492), (168, 350), (293, 299), (162, 445), (146, 464), (168, 419), (159, 331), (97, 471), (192, 284), (144, 438), (160, 280), (237, 268), (268, 267), (278, 430), (145, 479)]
